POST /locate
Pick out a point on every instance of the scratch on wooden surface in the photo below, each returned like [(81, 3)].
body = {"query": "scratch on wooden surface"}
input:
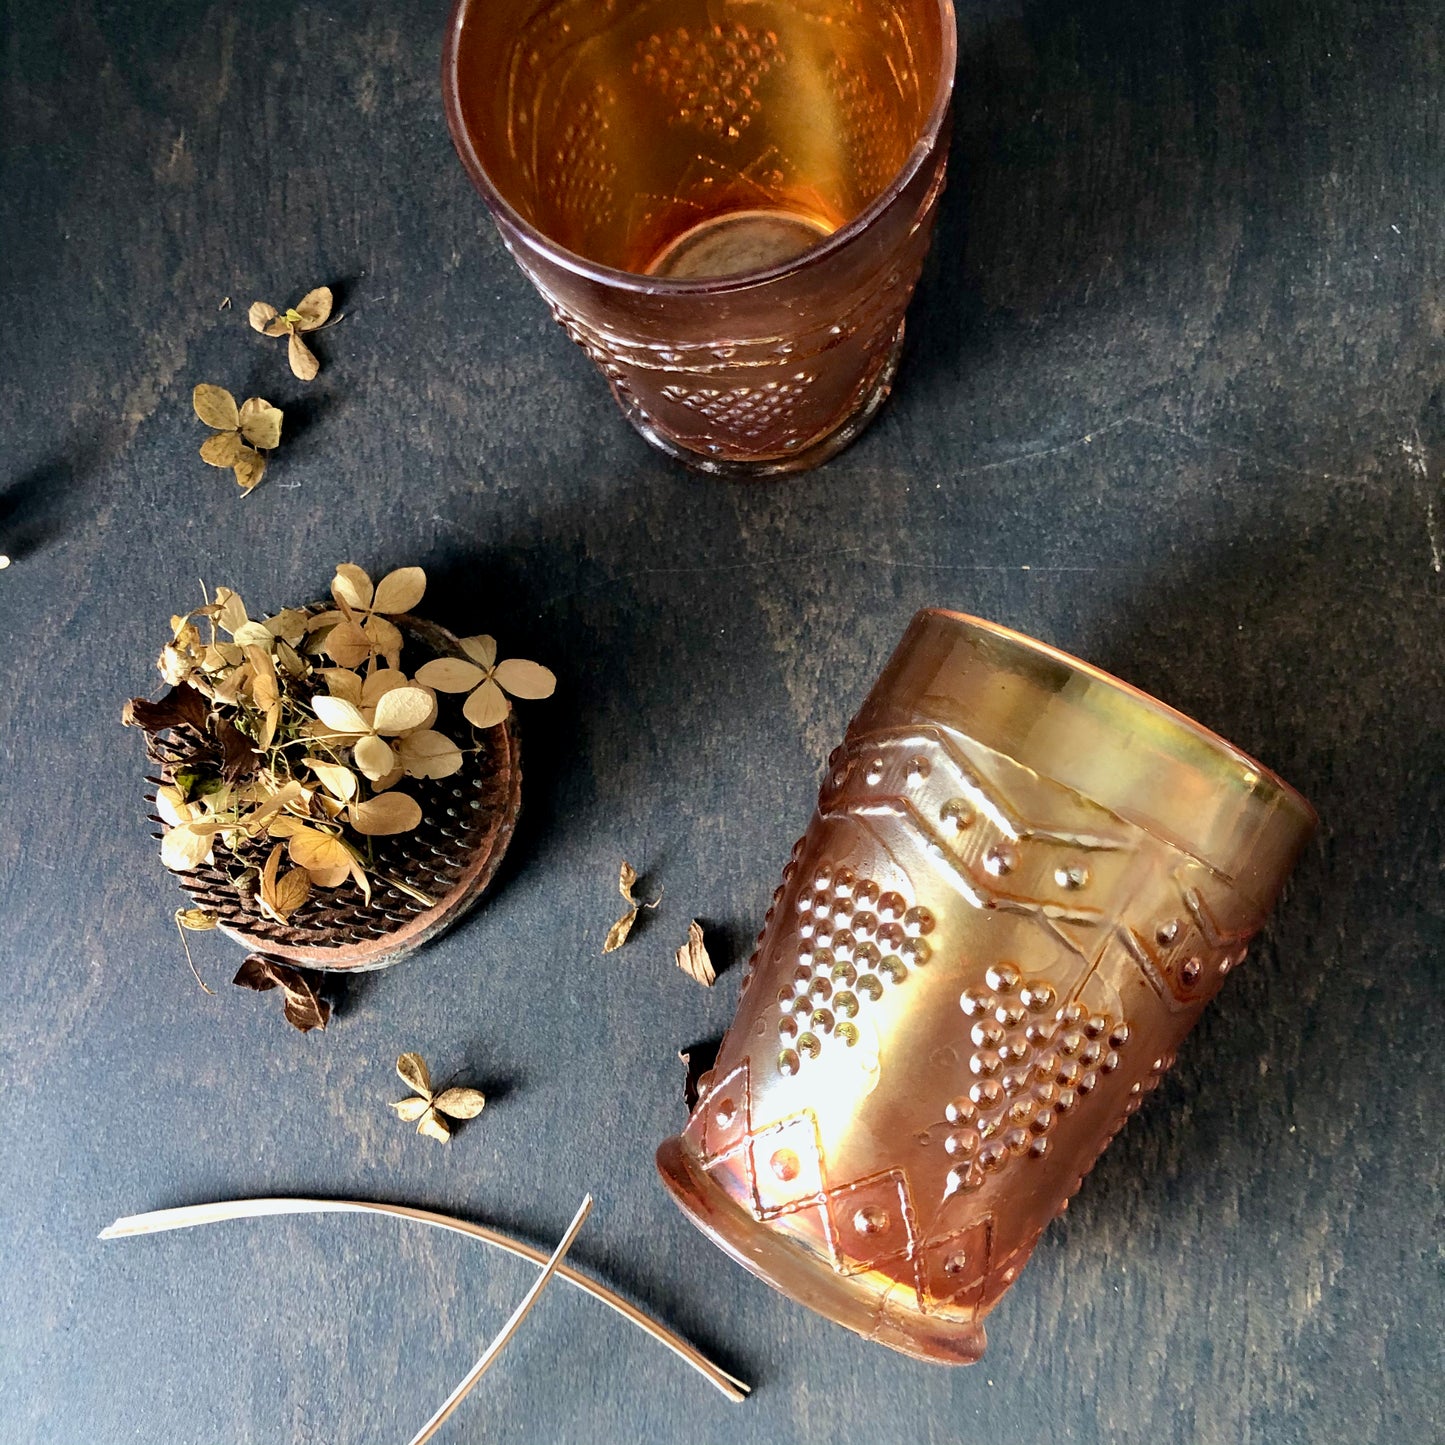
[(856, 554), (1416, 455)]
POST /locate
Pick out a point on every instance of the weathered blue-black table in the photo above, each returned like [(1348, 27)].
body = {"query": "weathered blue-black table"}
[(1172, 400)]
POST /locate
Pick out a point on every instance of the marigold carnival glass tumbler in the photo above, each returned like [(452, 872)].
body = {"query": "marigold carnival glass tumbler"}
[(1023, 883), (725, 203)]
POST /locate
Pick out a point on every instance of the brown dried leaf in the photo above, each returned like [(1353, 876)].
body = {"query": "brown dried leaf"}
[(692, 957), (305, 1009), (216, 407), (390, 813), (292, 891), (303, 360), (415, 1074), (261, 314), (260, 423), (239, 759), (617, 934), (281, 897), (411, 1109), (626, 882), (182, 706), (460, 1103)]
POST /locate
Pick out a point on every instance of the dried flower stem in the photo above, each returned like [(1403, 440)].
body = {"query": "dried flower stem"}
[(481, 1367), (161, 1220)]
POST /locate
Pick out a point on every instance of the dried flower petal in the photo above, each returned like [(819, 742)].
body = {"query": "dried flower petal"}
[(339, 715), (184, 848), (351, 587), (528, 680), (381, 682), (434, 1127), (339, 780), (487, 706), (692, 957), (460, 1103), (222, 449), (342, 682), (313, 309), (450, 674), (626, 881), (415, 1074), (249, 470), (216, 407), (348, 645), (617, 934), (196, 920), (302, 359), (323, 855), (382, 816), (399, 591), (482, 650), (401, 710), (411, 1109), (429, 754), (260, 423), (374, 757)]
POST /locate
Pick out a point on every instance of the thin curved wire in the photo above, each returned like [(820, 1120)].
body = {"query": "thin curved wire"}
[(448, 1406), (161, 1220)]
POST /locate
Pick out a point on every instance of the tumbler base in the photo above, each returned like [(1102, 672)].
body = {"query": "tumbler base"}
[(814, 454), (811, 1281)]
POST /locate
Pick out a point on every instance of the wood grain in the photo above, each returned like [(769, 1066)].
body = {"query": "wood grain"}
[(1172, 399)]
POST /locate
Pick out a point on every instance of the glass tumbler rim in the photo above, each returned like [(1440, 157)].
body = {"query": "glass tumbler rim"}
[(1251, 775), (641, 283)]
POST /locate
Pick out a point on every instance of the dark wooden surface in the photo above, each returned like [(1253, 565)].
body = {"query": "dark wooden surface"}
[(1172, 400)]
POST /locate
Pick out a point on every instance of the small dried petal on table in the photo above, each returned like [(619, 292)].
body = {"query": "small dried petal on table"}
[(692, 957), (414, 1073)]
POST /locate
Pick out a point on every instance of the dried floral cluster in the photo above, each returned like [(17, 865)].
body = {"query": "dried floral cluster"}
[(308, 728)]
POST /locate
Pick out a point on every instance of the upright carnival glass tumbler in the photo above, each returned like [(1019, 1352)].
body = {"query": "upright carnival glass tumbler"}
[(1023, 883), (725, 203)]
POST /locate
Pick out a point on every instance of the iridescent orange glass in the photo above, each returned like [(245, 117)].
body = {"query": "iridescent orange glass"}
[(725, 203), (1023, 883)]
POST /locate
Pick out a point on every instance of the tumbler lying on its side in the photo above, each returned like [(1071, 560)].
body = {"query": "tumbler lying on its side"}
[(1024, 881)]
